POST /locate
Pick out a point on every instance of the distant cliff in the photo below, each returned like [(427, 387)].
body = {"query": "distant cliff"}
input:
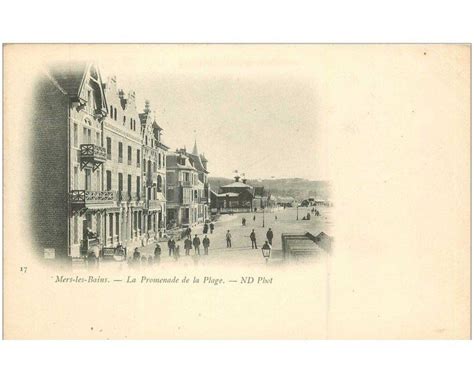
[(298, 188)]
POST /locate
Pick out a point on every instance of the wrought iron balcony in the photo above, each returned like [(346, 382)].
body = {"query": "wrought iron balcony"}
[(92, 155), (86, 199)]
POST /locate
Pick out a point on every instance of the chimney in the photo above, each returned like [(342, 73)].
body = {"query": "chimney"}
[(244, 181), (237, 177), (147, 106)]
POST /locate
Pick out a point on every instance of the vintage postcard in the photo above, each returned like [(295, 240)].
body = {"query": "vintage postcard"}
[(237, 191)]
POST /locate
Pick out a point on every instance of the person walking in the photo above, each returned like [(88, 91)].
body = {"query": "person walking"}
[(276, 218), (212, 227), (270, 236), (170, 246), (196, 244), (253, 238), (187, 246), (205, 229), (206, 243), (254, 217), (157, 252), (228, 238), (136, 255)]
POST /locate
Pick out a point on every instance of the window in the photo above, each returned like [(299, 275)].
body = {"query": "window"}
[(87, 173), (75, 136), (160, 183), (120, 152), (76, 178), (115, 113), (129, 155), (120, 182), (97, 139), (131, 124), (146, 140), (111, 112), (109, 180), (97, 185), (111, 225), (138, 186), (109, 148), (154, 167), (138, 158), (129, 184), (124, 120), (117, 223)]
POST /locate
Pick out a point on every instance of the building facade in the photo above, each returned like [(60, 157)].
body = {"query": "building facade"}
[(154, 175), (188, 194), (122, 141)]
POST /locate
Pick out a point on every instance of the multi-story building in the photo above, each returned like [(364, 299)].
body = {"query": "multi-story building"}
[(182, 189), (202, 185), (122, 173), (68, 196), (153, 175)]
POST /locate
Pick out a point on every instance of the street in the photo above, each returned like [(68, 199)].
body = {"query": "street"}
[(241, 250)]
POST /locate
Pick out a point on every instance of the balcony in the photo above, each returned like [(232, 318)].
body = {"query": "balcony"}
[(185, 183), (92, 199), (92, 155)]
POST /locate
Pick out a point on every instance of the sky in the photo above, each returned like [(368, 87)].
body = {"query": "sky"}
[(254, 114)]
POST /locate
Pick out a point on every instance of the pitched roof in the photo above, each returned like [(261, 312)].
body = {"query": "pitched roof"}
[(197, 162), (237, 184), (69, 76)]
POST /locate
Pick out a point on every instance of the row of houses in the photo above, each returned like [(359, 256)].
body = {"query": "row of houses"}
[(102, 175)]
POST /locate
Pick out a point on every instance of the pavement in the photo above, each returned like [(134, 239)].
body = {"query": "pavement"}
[(279, 220)]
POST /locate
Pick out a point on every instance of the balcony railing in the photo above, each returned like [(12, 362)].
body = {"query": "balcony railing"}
[(92, 155), (85, 198)]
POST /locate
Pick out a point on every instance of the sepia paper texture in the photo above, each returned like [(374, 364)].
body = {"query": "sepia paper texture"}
[(389, 129)]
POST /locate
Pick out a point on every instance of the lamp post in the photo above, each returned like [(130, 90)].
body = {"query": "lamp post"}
[(297, 216), (266, 250)]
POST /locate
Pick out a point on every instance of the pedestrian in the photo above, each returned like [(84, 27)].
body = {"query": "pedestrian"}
[(228, 238), (187, 246), (136, 255), (270, 236), (212, 227), (206, 242), (253, 238), (196, 244), (176, 253), (205, 229), (254, 217), (189, 231), (243, 221), (276, 218), (150, 259), (170, 246), (308, 216), (157, 252)]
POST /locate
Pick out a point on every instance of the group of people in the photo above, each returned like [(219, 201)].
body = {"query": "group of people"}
[(253, 238), (196, 243), (137, 257)]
